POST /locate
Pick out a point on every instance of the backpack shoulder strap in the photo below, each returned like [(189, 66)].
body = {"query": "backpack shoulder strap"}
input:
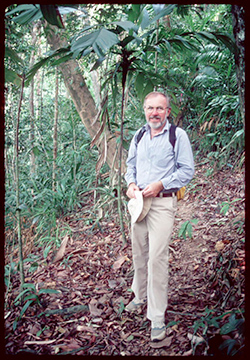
[(140, 135), (172, 135)]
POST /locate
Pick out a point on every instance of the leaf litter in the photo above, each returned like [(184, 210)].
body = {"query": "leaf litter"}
[(93, 272)]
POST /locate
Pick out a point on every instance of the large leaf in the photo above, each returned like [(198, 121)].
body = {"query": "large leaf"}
[(181, 42), (12, 55), (12, 77), (158, 8), (166, 11), (99, 41), (144, 19), (143, 85), (48, 60), (28, 13), (52, 15), (65, 9), (227, 40), (207, 36), (126, 25), (134, 12)]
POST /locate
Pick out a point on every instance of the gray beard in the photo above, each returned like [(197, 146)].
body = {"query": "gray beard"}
[(156, 126)]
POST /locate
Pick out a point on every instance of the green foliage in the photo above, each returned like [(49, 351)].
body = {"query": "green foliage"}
[(75, 170), (52, 15), (27, 14), (234, 326), (187, 228), (30, 296), (32, 12), (9, 270), (99, 41), (226, 205)]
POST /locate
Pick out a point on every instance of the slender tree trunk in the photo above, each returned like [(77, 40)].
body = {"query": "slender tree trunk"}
[(74, 144), (31, 103), (156, 53), (119, 189), (55, 135), (238, 14), (32, 130), (6, 167), (83, 100), (13, 160), (18, 210), (38, 87)]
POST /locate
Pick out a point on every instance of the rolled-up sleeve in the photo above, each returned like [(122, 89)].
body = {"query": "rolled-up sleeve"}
[(130, 176), (184, 163)]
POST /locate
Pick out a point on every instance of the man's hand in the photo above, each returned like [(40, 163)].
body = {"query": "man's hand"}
[(153, 189), (131, 190)]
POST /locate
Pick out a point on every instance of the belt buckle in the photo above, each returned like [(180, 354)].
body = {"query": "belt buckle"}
[(161, 195)]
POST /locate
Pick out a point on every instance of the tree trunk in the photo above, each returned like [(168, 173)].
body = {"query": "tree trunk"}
[(31, 104), (55, 135), (96, 87), (18, 214), (238, 13), (75, 84)]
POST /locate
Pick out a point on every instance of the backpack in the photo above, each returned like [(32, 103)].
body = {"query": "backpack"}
[(172, 139), (172, 136)]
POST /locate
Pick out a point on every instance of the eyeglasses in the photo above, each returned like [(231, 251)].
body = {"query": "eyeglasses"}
[(159, 109)]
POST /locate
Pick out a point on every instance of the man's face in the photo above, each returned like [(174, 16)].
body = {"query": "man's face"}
[(156, 111)]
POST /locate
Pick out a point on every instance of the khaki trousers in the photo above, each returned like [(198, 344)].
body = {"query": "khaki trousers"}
[(150, 240)]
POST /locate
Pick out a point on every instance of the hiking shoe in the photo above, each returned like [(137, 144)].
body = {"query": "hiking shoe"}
[(158, 331), (135, 305)]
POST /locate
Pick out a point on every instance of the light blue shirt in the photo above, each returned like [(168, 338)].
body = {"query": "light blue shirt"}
[(155, 159)]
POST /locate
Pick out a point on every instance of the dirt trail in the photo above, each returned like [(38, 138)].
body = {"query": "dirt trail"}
[(95, 272)]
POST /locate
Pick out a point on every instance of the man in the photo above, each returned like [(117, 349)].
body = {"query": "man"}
[(157, 169)]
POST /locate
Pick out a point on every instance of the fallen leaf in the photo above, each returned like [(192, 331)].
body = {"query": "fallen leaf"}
[(34, 329), (61, 330), (60, 253), (195, 339), (219, 245), (39, 342), (82, 328), (129, 338), (73, 344), (62, 274), (118, 263), (175, 327), (93, 308), (112, 283), (97, 320)]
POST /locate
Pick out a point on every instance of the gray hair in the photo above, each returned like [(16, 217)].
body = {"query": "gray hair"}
[(156, 93)]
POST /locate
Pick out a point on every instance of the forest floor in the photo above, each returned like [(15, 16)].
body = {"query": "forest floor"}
[(92, 273)]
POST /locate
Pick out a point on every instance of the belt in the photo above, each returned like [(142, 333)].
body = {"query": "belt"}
[(165, 194), (162, 194)]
